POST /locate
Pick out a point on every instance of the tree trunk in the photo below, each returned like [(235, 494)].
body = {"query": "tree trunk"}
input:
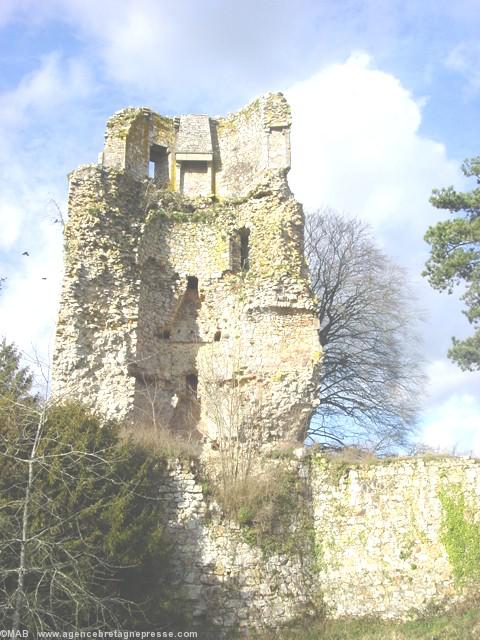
[(22, 567)]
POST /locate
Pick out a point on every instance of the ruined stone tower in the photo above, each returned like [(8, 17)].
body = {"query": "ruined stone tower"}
[(185, 295)]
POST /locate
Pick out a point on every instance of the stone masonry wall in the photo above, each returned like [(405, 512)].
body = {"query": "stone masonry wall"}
[(242, 147), (377, 545), (96, 328), (242, 323), (252, 142), (379, 533), (177, 308)]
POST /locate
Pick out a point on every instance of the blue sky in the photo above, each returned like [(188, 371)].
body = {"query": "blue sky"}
[(385, 98)]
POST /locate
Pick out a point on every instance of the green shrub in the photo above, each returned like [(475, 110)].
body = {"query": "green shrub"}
[(96, 549)]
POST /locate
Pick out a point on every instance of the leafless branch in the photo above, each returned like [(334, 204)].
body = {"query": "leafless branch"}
[(372, 375)]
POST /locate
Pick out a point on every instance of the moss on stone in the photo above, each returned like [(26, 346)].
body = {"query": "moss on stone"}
[(119, 124)]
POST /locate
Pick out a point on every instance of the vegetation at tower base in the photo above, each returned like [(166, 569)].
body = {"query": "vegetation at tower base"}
[(372, 372), (455, 259), (81, 535), (272, 507)]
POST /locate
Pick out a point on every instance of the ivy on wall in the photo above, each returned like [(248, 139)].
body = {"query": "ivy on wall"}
[(460, 534)]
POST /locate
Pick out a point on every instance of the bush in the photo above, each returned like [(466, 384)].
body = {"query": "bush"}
[(95, 549)]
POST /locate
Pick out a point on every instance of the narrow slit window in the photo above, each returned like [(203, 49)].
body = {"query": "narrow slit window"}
[(217, 336), (244, 249), (192, 383)]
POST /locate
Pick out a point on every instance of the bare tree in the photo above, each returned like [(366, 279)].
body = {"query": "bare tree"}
[(232, 413), (75, 505), (372, 374), (45, 582)]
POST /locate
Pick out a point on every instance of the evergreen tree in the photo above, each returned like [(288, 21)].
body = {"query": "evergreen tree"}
[(15, 380), (455, 259), (81, 535)]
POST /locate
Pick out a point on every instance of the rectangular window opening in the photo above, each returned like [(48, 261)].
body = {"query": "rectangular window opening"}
[(192, 283), (158, 164)]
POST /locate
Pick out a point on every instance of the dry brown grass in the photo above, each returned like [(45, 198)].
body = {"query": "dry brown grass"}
[(163, 442), (254, 492), (269, 506), (353, 455)]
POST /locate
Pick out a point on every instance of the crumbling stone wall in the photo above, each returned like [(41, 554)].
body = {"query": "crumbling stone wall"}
[(169, 292), (223, 580), (250, 143), (377, 550), (234, 153), (173, 298), (96, 328)]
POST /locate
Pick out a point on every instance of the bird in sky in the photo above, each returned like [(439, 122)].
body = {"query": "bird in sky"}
[(25, 253)]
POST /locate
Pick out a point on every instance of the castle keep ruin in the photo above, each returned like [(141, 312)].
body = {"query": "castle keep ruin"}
[(185, 277), (186, 305)]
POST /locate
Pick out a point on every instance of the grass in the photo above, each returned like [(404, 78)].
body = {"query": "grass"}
[(270, 506), (352, 455), (163, 442), (462, 623)]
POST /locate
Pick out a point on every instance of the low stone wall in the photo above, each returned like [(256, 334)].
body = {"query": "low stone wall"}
[(378, 544), (379, 534)]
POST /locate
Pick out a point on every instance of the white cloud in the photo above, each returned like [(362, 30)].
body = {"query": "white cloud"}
[(446, 378), (11, 8), (29, 299), (451, 419), (11, 218), (464, 58), (453, 425), (39, 124), (356, 146), (223, 51), (29, 296), (179, 52), (54, 83)]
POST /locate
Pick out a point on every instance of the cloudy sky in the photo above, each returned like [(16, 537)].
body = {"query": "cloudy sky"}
[(385, 97)]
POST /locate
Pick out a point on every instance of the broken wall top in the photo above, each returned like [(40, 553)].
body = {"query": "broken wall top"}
[(198, 155)]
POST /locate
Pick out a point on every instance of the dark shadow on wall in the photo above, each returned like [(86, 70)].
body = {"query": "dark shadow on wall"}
[(167, 340), (217, 595)]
